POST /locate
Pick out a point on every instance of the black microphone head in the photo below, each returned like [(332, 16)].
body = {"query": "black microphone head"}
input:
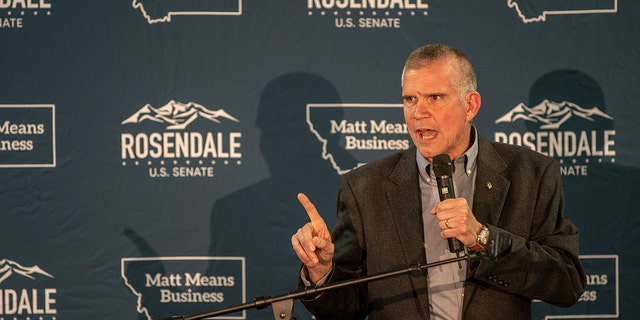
[(442, 165)]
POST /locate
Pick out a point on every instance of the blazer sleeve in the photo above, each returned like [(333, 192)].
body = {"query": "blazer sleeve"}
[(538, 258)]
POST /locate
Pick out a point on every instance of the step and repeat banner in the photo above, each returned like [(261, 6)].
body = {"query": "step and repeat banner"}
[(151, 150)]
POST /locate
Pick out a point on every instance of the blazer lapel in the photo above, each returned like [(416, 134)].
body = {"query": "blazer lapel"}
[(403, 197), (491, 186)]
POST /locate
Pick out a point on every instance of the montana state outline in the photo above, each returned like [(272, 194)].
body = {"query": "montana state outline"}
[(162, 10), (538, 10)]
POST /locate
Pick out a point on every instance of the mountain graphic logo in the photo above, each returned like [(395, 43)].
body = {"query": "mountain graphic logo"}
[(9, 268), (178, 115), (551, 115)]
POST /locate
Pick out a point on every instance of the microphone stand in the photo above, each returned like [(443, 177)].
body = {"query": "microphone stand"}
[(283, 305)]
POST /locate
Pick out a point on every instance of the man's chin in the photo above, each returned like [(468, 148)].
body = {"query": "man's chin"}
[(429, 153)]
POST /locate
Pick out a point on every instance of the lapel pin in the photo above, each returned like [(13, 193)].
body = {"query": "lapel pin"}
[(489, 185)]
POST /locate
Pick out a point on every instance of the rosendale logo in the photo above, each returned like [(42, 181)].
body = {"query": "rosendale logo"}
[(367, 14), (168, 286), (576, 148), (537, 11), (176, 151), (27, 136), (25, 301), (353, 134), (162, 10), (14, 12)]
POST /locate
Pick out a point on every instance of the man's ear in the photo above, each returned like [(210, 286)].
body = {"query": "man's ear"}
[(473, 101)]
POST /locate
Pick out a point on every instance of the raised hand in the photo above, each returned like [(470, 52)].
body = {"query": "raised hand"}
[(312, 243)]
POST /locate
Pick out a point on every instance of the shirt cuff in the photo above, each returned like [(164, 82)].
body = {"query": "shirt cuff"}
[(304, 276)]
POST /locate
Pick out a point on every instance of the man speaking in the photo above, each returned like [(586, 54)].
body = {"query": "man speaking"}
[(389, 216)]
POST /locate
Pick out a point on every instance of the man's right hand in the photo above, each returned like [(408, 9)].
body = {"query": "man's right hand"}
[(312, 243)]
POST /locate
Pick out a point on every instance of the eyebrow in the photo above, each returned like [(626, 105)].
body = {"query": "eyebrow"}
[(425, 94)]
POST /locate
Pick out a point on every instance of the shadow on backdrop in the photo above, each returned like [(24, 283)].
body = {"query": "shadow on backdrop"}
[(257, 222), (600, 201)]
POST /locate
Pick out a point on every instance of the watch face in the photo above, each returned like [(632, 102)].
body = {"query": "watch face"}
[(483, 236)]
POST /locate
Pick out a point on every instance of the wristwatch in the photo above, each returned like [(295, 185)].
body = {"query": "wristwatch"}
[(483, 238)]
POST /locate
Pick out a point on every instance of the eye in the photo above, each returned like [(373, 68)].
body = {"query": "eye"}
[(435, 97), (409, 100)]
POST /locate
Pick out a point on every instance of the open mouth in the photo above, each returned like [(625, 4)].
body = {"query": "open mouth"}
[(427, 134)]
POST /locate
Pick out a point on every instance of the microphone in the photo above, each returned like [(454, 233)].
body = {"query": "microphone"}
[(443, 170)]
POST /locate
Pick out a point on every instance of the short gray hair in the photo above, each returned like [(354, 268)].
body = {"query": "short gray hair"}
[(465, 80)]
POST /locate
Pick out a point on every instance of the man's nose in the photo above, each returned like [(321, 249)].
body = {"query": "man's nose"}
[(422, 110)]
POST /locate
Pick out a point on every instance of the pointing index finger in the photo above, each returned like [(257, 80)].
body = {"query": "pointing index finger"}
[(316, 220)]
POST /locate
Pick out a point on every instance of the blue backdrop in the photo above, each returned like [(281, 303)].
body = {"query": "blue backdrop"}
[(151, 151)]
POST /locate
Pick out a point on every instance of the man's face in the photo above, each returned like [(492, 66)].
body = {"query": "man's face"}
[(438, 121)]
